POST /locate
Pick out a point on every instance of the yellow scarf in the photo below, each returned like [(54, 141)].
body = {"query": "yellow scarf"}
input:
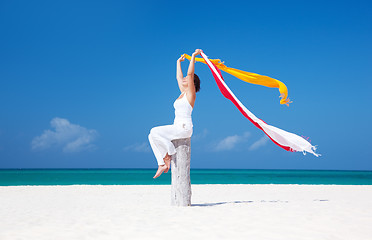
[(251, 78)]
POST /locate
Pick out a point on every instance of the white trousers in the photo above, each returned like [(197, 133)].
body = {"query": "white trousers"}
[(160, 138)]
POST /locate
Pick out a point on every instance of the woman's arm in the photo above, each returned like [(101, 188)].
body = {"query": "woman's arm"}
[(179, 69), (179, 72), (190, 72), (191, 69)]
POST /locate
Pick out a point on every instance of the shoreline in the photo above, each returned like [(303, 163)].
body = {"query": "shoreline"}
[(199, 176), (195, 184)]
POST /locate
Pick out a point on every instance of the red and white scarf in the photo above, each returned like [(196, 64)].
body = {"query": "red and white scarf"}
[(286, 140)]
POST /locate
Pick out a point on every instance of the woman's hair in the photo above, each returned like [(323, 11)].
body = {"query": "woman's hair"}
[(196, 83)]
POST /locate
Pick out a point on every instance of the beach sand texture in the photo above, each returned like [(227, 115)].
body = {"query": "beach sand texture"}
[(239, 211)]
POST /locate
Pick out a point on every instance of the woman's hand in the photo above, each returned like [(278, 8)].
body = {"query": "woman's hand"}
[(197, 52), (182, 58)]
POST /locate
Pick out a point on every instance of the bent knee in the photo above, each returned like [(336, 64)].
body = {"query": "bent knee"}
[(154, 131), (151, 132)]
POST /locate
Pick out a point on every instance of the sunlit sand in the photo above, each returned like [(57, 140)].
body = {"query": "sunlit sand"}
[(217, 212)]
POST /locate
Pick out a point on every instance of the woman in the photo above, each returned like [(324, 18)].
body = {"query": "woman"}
[(160, 137)]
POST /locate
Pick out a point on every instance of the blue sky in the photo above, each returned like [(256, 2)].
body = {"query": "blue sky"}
[(83, 82)]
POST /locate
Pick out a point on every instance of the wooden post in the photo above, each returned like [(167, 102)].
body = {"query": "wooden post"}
[(180, 167)]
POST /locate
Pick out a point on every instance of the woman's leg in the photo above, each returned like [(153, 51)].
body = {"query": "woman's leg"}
[(167, 160), (160, 140), (155, 145), (161, 164)]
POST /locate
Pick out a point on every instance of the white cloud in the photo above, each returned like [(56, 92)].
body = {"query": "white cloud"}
[(230, 142), (72, 137), (200, 135), (259, 143), (138, 147)]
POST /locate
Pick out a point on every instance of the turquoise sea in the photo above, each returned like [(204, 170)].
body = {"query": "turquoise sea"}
[(16, 177)]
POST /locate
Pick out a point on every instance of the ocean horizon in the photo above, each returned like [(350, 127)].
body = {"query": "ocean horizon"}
[(143, 176)]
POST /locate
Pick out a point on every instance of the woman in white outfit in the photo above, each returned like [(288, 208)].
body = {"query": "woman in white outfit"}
[(160, 137)]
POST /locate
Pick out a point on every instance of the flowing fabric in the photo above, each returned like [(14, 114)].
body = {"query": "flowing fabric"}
[(286, 140), (253, 78)]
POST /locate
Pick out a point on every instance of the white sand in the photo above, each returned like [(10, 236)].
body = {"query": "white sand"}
[(218, 212)]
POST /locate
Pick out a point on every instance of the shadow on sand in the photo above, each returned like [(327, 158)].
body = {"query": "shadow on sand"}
[(218, 203)]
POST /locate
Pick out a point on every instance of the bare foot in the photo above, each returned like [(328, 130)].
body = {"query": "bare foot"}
[(161, 169), (167, 161)]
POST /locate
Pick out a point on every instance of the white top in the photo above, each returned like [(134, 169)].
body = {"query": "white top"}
[(182, 109)]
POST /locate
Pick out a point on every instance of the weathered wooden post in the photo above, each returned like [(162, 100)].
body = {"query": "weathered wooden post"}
[(180, 167)]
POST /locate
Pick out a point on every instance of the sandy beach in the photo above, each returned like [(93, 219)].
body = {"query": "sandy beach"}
[(217, 212)]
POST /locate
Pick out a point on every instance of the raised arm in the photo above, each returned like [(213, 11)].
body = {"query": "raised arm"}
[(179, 69), (179, 72), (190, 72), (191, 69)]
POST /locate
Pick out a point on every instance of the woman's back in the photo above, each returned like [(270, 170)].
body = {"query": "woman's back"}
[(183, 109)]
